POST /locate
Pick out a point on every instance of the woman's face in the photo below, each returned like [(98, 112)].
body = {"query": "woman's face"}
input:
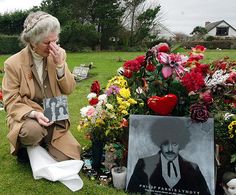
[(43, 47)]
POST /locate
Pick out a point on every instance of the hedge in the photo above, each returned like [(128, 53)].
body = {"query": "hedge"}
[(9, 44), (220, 44)]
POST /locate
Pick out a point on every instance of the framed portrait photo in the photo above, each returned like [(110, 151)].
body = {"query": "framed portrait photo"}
[(170, 155)]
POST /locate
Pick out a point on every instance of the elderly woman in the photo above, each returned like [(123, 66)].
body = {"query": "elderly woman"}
[(36, 72)]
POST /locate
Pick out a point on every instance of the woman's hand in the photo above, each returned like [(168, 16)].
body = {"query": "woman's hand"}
[(42, 120), (57, 54)]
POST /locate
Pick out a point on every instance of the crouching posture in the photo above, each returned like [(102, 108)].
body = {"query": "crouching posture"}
[(38, 71)]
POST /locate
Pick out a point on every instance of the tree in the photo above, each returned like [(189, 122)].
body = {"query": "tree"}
[(145, 22), (131, 7), (199, 32), (106, 14)]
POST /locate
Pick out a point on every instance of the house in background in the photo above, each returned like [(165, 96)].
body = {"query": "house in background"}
[(220, 29), (162, 32)]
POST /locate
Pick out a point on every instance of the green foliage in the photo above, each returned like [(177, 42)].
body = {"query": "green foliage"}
[(9, 44), (75, 36), (198, 30), (12, 23), (215, 44), (145, 22)]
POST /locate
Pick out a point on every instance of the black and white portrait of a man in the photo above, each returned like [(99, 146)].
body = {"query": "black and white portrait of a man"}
[(170, 155)]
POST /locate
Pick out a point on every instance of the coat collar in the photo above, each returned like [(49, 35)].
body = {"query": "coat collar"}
[(26, 65)]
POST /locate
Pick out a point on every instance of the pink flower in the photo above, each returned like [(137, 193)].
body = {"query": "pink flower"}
[(91, 111), (172, 62), (207, 97)]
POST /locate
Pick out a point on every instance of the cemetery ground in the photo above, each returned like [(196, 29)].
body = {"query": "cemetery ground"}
[(17, 178)]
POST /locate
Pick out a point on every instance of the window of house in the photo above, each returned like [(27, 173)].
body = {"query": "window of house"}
[(222, 31)]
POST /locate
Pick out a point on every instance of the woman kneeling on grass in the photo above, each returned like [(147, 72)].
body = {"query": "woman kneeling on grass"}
[(36, 72)]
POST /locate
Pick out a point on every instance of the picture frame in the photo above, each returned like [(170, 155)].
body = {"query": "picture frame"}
[(147, 170)]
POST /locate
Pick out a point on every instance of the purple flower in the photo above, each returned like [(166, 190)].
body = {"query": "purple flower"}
[(199, 113), (113, 90)]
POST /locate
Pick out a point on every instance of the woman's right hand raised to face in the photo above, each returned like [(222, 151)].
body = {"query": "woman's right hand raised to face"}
[(42, 120)]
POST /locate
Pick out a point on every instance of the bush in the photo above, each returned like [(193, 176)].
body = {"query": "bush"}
[(75, 36), (9, 44), (221, 44)]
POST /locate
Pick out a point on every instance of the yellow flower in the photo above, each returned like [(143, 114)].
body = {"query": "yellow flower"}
[(119, 100), (118, 81), (122, 107), (124, 112), (99, 122), (125, 104), (132, 101), (125, 93)]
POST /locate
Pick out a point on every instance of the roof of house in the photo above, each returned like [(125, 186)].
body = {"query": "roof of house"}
[(212, 25)]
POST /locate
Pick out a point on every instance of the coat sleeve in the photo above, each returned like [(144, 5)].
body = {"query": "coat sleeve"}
[(67, 82), (15, 105)]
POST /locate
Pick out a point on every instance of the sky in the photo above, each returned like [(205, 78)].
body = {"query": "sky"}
[(176, 15)]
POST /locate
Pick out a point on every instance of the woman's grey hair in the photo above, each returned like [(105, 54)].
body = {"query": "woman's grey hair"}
[(37, 26)]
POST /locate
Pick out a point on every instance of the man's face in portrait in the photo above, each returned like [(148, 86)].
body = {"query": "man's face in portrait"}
[(170, 150)]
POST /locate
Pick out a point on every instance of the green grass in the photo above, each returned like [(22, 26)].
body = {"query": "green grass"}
[(16, 178)]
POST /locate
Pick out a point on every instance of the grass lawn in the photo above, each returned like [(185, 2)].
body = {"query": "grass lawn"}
[(16, 178)]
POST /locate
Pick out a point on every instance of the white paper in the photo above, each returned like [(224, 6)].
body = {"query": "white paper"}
[(44, 166)]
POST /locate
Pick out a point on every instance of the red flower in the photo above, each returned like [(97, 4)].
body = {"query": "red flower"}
[(95, 87), (202, 68), (128, 73), (193, 81), (199, 49), (232, 78), (93, 101), (163, 47), (1, 95), (132, 65), (124, 123), (141, 60), (150, 67), (207, 97), (199, 113)]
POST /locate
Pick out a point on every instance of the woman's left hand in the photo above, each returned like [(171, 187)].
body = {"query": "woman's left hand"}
[(57, 54)]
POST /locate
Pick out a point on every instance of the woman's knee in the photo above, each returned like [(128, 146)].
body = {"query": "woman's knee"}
[(31, 132)]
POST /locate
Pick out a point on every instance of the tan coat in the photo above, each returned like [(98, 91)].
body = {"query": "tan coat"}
[(19, 91)]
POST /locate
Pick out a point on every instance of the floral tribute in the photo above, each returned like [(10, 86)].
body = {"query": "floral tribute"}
[(168, 84), (105, 118)]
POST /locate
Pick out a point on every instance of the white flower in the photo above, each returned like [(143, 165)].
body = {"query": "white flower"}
[(109, 106), (91, 96), (139, 90), (228, 115), (217, 78), (120, 71), (102, 98), (84, 110)]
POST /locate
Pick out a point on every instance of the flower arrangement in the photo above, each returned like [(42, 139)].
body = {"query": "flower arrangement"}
[(105, 118), (165, 83)]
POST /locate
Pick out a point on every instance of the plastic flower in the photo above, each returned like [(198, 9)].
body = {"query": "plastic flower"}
[(172, 62)]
